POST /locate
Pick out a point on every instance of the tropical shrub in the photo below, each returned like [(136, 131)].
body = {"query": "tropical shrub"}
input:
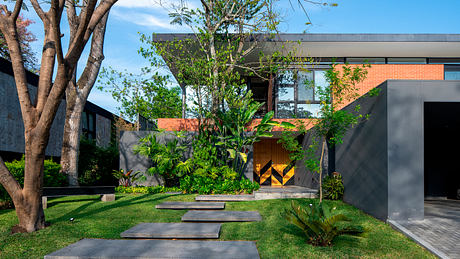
[(231, 128), (96, 164), (168, 158), (128, 178), (51, 172), (146, 189), (333, 187), (206, 185), (319, 223)]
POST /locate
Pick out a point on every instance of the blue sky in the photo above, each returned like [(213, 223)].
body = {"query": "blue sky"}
[(129, 17)]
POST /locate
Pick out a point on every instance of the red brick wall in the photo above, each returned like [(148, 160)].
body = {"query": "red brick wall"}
[(377, 74)]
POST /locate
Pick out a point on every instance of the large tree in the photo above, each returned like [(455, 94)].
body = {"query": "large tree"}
[(56, 71), (77, 92)]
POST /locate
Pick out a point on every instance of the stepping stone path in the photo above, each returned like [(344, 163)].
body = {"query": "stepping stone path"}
[(191, 205), (190, 249), (148, 245), (221, 216), (173, 230)]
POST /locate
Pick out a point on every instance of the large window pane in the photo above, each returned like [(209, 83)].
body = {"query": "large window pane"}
[(84, 121), (320, 82), (308, 110), (451, 72), (285, 110), (286, 78), (452, 75), (305, 86), (91, 122), (286, 93)]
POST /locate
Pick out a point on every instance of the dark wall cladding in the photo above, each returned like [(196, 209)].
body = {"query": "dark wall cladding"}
[(382, 159), (135, 162), (362, 158)]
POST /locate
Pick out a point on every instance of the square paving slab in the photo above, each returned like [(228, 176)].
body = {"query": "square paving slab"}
[(191, 205), (151, 249), (173, 230), (221, 216), (243, 197)]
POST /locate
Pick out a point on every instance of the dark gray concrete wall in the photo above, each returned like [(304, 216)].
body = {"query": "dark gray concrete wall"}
[(12, 126), (406, 100), (362, 158), (303, 176), (131, 161)]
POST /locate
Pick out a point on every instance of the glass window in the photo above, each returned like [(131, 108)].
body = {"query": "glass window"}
[(365, 60), (406, 60), (452, 75), (286, 78), (305, 86), (286, 93), (444, 61), (308, 110), (91, 122), (299, 99), (285, 110), (452, 72), (84, 121), (320, 82)]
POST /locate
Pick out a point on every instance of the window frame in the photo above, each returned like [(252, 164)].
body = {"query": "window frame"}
[(295, 85), (90, 134)]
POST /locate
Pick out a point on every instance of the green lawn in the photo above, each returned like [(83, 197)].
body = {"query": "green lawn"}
[(275, 237)]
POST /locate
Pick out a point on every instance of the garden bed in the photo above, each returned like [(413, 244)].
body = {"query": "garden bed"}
[(276, 238)]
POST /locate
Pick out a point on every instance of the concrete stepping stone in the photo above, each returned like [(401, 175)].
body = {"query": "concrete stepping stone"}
[(173, 230), (191, 205), (223, 197), (151, 249), (221, 216)]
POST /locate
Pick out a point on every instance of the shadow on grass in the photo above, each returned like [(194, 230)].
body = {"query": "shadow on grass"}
[(80, 213), (53, 202)]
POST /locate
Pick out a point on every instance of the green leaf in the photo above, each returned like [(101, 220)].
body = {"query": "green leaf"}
[(232, 153), (287, 125), (243, 156)]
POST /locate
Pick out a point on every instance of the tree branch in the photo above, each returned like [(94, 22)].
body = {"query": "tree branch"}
[(39, 10), (9, 183)]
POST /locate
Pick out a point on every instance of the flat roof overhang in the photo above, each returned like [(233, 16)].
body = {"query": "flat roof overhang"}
[(353, 45)]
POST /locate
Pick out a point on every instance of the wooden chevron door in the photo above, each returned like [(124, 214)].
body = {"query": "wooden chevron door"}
[(272, 165)]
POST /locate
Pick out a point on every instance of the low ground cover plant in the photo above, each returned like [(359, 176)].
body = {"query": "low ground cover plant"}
[(206, 185), (146, 189)]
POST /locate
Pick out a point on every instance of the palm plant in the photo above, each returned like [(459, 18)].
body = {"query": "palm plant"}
[(319, 224), (232, 127)]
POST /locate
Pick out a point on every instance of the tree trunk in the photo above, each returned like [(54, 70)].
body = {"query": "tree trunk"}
[(321, 172), (71, 137), (29, 204), (76, 95)]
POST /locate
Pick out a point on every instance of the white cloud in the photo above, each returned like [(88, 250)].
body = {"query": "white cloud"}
[(155, 4), (143, 19)]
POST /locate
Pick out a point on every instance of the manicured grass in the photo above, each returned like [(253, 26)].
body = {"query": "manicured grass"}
[(275, 237)]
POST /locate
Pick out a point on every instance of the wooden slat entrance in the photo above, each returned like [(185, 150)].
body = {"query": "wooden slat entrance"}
[(272, 165)]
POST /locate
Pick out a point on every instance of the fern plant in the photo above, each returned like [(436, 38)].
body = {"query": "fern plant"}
[(319, 224)]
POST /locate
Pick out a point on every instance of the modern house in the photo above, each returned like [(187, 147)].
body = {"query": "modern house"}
[(96, 122), (403, 153)]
